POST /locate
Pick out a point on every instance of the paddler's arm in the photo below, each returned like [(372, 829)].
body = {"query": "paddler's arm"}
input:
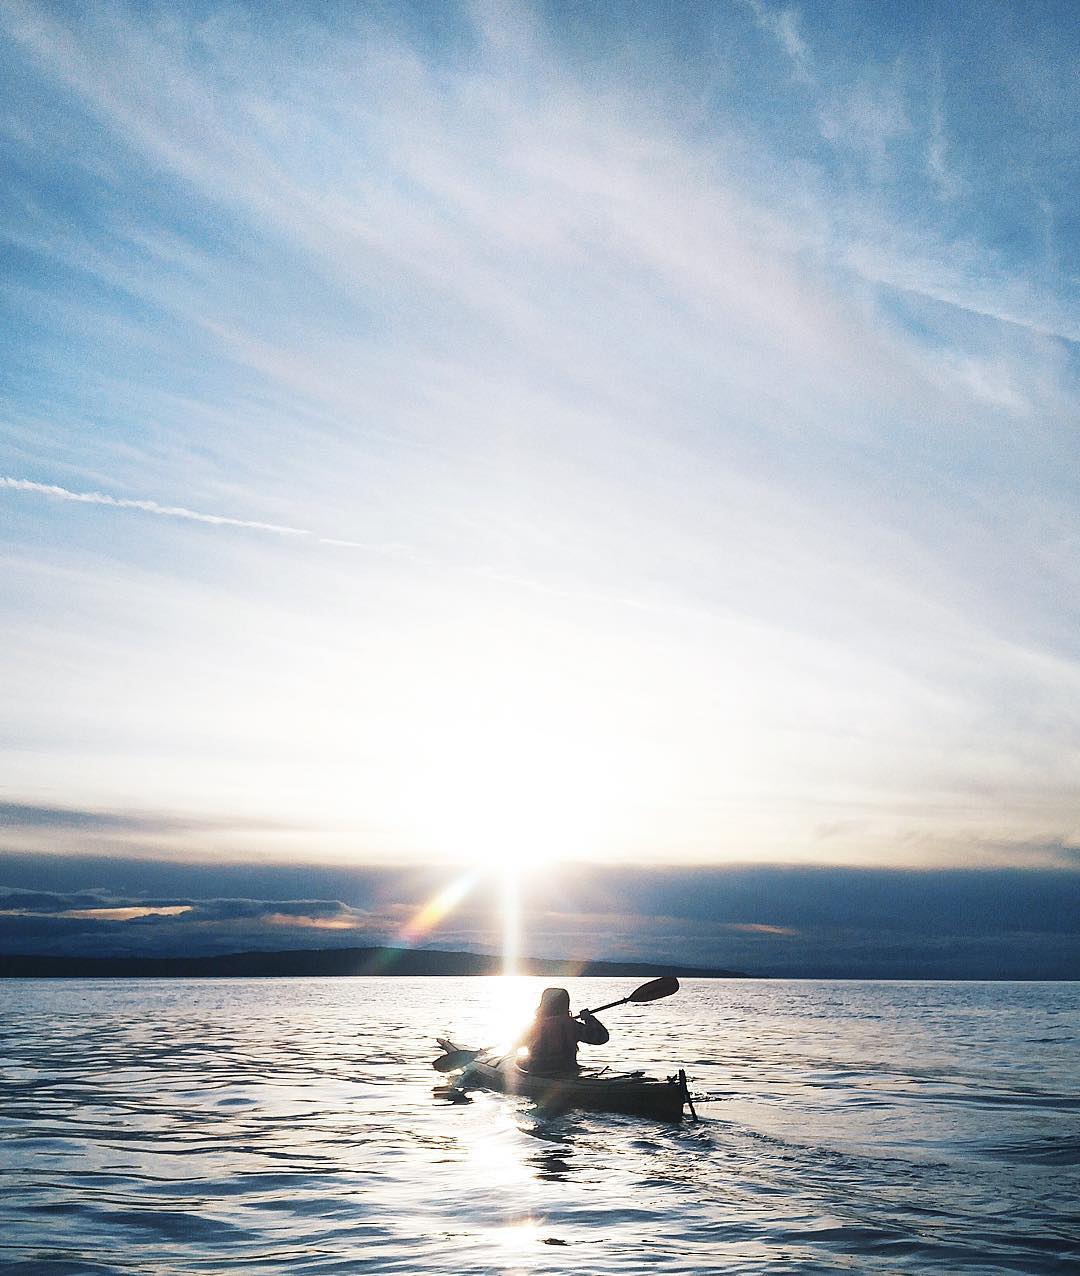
[(591, 1030)]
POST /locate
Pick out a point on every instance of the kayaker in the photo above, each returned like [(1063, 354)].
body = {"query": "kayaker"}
[(553, 1038)]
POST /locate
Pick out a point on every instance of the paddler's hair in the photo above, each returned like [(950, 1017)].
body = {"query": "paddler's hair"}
[(553, 1001)]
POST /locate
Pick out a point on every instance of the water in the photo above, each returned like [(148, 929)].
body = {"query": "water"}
[(289, 1126)]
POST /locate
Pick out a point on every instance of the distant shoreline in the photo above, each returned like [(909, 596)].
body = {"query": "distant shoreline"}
[(335, 961)]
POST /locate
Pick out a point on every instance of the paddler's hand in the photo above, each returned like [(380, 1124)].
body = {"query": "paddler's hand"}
[(595, 1033)]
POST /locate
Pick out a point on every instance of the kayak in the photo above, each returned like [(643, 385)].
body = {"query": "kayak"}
[(597, 1088)]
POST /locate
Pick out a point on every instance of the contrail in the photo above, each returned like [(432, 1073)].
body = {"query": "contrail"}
[(148, 507), (392, 550)]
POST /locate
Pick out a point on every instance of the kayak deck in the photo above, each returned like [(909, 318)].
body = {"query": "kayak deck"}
[(595, 1088)]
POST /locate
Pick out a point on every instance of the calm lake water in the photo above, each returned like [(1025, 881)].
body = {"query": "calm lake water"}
[(289, 1126)]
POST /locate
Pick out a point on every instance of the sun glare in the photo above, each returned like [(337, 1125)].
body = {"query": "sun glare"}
[(511, 1001), (509, 775), (511, 918), (512, 787), (506, 805)]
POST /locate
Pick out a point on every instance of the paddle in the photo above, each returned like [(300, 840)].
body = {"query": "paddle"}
[(654, 990)]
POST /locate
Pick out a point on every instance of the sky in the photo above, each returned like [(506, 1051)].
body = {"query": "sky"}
[(436, 437)]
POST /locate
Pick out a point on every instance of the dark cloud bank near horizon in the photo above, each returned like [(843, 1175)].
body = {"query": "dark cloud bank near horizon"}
[(765, 920)]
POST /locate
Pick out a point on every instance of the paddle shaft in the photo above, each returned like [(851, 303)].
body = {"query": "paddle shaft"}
[(621, 1002), (654, 990)]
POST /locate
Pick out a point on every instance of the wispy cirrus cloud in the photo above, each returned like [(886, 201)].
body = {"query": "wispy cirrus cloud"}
[(783, 23), (48, 830)]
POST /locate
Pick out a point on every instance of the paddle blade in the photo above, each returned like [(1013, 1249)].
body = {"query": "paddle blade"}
[(655, 989), (454, 1061)]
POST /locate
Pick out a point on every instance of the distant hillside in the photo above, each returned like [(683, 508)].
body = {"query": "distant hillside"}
[(334, 961)]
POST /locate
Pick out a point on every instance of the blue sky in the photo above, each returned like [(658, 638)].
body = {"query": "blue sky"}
[(644, 434)]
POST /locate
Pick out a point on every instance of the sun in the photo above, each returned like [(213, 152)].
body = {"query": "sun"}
[(500, 788), (510, 749)]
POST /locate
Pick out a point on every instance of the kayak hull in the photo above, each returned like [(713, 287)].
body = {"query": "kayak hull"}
[(599, 1090)]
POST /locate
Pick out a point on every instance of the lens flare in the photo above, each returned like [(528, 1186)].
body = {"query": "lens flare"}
[(443, 903), (439, 906)]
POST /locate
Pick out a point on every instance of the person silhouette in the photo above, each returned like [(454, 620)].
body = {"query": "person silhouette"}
[(552, 1039)]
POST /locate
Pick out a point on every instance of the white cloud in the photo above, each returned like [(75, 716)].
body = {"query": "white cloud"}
[(869, 117), (938, 156)]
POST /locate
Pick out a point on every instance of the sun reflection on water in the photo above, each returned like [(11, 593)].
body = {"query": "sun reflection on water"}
[(510, 1007), (519, 1236)]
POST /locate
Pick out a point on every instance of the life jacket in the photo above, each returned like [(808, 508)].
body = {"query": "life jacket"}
[(553, 1044)]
